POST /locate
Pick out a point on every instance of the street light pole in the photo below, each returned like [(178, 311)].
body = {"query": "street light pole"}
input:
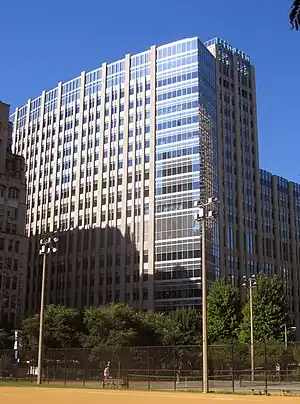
[(47, 246), (39, 369), (251, 282), (231, 279), (251, 331), (206, 211), (204, 310), (285, 337)]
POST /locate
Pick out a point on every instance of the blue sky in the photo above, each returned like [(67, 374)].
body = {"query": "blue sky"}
[(43, 42)]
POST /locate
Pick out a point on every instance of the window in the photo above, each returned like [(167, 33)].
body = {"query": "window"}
[(15, 264), (13, 193), (11, 228), (2, 191), (10, 245), (2, 243), (9, 266), (17, 246), (12, 212)]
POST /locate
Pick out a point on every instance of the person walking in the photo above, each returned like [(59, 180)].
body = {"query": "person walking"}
[(106, 372), (178, 375)]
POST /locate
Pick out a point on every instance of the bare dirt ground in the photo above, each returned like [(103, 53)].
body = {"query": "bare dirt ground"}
[(36, 395)]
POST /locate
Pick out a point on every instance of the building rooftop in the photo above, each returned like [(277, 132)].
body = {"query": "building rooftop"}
[(227, 46)]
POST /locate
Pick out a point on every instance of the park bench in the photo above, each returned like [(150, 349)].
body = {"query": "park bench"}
[(260, 392), (114, 383)]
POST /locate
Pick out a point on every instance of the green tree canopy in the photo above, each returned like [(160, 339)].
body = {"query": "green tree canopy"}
[(62, 328), (223, 312), (180, 327), (6, 339), (117, 325), (165, 330), (187, 326), (120, 325), (270, 312)]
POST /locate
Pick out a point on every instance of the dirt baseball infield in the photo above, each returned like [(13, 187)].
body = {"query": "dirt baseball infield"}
[(35, 395)]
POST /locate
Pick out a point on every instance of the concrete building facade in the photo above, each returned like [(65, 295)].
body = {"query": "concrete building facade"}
[(117, 149), (280, 209), (13, 243), (259, 219), (238, 158), (114, 166)]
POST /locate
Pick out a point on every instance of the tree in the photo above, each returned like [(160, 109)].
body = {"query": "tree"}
[(223, 312), (270, 312), (116, 325), (295, 15), (189, 326), (173, 332), (6, 339), (62, 328), (179, 327), (165, 330)]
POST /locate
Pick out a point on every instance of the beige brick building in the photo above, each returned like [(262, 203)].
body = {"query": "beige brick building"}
[(13, 243)]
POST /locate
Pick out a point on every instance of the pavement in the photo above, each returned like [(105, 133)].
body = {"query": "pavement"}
[(219, 386)]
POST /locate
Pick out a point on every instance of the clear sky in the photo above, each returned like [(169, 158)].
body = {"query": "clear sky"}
[(47, 41)]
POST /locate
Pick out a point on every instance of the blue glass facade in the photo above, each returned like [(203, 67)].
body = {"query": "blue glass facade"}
[(185, 85)]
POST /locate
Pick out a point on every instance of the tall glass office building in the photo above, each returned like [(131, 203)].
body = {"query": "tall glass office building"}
[(113, 166), (115, 160), (185, 99)]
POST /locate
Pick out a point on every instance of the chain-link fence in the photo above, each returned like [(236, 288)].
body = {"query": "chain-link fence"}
[(276, 367)]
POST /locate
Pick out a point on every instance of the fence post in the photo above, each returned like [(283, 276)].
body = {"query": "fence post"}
[(233, 370), (200, 371), (65, 370), (148, 365), (266, 370), (44, 368), (84, 369), (175, 378)]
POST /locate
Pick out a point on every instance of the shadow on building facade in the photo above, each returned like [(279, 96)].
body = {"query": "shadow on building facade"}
[(92, 267)]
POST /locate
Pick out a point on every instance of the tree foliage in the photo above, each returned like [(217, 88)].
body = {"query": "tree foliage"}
[(270, 313), (118, 325), (295, 14), (188, 325), (62, 328), (165, 331), (6, 339), (223, 312)]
